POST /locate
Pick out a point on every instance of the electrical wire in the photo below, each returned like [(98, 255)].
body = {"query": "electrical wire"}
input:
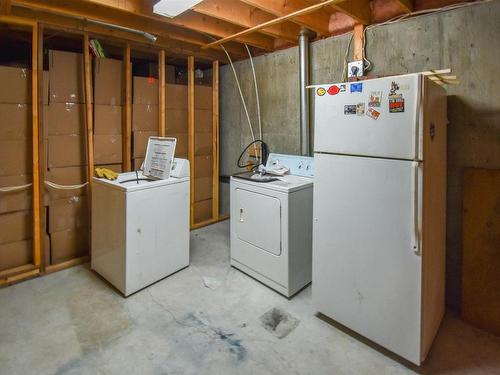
[(256, 93), (9, 189), (64, 187)]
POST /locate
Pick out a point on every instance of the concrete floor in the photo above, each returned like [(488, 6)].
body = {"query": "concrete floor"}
[(202, 320)]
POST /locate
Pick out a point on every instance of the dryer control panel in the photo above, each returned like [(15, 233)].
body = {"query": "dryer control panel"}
[(298, 165)]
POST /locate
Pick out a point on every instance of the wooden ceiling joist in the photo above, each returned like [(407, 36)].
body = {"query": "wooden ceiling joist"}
[(247, 16), (292, 15), (317, 21), (358, 10)]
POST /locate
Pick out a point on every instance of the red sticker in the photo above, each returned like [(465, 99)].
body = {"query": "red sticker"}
[(151, 80), (333, 90)]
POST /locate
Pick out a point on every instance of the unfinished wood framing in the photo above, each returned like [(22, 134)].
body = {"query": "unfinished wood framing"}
[(215, 140), (127, 110), (191, 133), (89, 128), (358, 37), (161, 94), (41, 146)]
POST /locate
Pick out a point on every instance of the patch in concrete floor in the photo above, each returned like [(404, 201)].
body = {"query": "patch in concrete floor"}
[(279, 322), (97, 317)]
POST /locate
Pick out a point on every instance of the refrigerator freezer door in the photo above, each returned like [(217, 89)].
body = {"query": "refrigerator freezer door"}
[(377, 118), (366, 274)]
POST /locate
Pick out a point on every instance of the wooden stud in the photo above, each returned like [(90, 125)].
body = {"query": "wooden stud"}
[(89, 127), (161, 93), (127, 110), (191, 131), (44, 253), (67, 264), (37, 241), (19, 277), (5, 6), (358, 42), (215, 143)]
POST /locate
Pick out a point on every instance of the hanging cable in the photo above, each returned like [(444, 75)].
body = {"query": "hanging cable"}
[(10, 189), (64, 187), (256, 93)]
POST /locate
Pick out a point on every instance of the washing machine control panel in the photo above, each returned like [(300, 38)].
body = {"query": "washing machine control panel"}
[(299, 165)]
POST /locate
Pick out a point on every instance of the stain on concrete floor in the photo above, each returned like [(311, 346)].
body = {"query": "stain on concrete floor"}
[(279, 322)]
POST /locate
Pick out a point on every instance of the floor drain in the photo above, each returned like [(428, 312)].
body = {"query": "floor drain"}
[(279, 322)]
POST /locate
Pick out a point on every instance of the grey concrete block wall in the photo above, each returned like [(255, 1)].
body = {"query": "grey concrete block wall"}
[(465, 40)]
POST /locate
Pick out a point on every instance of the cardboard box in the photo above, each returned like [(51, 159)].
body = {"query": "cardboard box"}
[(16, 226), (108, 78), (138, 163), (140, 143), (67, 84), (107, 119), (145, 117), (68, 213), (176, 97), (176, 121), (203, 166), (203, 144), (170, 76), (69, 244), (202, 211), (145, 90), (107, 149), (15, 157), (181, 146), (16, 254), (15, 122), (118, 168), (202, 188), (203, 97), (45, 88), (203, 121), (16, 200), (66, 176), (66, 151), (65, 119), (15, 85)]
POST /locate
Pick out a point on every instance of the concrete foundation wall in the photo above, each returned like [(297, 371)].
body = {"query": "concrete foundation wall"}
[(465, 40)]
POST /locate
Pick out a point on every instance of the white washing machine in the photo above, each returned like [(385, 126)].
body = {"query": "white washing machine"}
[(271, 224), (140, 228)]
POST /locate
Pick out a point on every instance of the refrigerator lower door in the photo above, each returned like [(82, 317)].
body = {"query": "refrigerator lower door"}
[(366, 269)]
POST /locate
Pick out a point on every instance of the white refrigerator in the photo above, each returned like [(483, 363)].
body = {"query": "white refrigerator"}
[(380, 208)]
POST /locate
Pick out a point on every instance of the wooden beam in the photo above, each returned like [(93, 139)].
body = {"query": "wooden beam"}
[(127, 110), (215, 143), (89, 127), (208, 25), (358, 42), (175, 40), (275, 21), (244, 15), (69, 263), (161, 94), (44, 253), (358, 10), (317, 22), (37, 256), (5, 6), (191, 132), (19, 277)]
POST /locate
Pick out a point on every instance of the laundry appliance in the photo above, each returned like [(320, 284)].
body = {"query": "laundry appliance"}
[(271, 223), (140, 223), (379, 209)]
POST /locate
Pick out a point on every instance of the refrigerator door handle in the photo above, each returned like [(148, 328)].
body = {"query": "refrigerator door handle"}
[(416, 209)]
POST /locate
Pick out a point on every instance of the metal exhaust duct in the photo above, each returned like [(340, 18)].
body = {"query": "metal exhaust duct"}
[(305, 130)]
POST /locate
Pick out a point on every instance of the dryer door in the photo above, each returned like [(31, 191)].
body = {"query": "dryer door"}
[(259, 220)]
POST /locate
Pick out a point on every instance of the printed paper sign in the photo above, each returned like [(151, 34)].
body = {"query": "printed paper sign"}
[(396, 100)]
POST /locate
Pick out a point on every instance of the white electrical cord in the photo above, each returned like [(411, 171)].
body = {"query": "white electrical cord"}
[(64, 187), (256, 92), (398, 19), (9, 189)]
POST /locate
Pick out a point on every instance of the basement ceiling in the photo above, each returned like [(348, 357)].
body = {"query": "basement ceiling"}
[(211, 20)]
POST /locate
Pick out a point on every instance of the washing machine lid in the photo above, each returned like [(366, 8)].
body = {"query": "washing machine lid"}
[(130, 181), (284, 184)]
